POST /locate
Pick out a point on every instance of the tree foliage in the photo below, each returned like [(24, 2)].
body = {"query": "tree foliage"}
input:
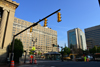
[(95, 49), (18, 49), (39, 53), (31, 52), (66, 50)]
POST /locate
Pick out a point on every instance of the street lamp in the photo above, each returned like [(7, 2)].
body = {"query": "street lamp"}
[(34, 41)]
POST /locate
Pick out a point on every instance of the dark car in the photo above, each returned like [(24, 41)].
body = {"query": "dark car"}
[(79, 58), (90, 57)]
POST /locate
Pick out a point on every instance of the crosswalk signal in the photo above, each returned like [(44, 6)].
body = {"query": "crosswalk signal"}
[(30, 29), (59, 16), (45, 22)]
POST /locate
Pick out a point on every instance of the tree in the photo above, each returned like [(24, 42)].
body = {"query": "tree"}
[(31, 52), (18, 49), (39, 53), (67, 50), (95, 49)]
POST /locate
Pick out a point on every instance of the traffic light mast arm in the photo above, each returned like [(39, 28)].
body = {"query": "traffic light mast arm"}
[(12, 50), (38, 22)]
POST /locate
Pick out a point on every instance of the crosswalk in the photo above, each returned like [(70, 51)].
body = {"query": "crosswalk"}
[(39, 61), (35, 66)]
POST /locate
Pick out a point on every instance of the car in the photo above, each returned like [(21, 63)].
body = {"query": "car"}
[(90, 57), (42, 56), (79, 58), (66, 57), (70, 57)]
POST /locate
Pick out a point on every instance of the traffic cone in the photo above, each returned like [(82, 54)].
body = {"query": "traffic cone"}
[(35, 61), (12, 64), (87, 60), (30, 61)]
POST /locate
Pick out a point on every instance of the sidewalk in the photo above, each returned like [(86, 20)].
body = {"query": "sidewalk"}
[(16, 65)]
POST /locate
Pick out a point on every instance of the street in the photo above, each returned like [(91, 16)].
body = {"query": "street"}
[(63, 64)]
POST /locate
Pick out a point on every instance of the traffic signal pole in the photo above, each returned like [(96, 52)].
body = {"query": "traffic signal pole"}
[(34, 24)]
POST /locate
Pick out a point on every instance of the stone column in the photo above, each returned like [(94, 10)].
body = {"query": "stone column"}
[(8, 36), (3, 24)]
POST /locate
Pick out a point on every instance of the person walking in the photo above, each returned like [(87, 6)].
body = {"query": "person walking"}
[(84, 58)]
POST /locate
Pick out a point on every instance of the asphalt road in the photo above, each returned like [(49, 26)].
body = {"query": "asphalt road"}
[(70, 64), (64, 64)]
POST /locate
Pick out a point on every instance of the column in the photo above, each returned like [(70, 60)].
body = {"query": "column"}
[(2, 27), (8, 35)]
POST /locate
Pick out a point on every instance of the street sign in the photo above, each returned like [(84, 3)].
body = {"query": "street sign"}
[(33, 51)]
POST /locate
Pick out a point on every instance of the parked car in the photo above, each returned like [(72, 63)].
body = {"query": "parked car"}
[(70, 57), (79, 58), (66, 57), (42, 56), (90, 57)]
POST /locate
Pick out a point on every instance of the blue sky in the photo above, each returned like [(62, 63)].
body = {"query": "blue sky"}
[(75, 14)]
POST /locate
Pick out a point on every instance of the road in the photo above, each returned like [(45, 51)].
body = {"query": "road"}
[(64, 64)]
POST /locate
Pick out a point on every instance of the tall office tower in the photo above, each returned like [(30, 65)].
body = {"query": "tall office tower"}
[(93, 36), (43, 37), (76, 39), (7, 11)]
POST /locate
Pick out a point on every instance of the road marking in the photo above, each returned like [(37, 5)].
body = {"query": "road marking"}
[(52, 66)]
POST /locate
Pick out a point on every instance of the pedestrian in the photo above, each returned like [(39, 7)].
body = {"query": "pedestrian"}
[(62, 56), (84, 58)]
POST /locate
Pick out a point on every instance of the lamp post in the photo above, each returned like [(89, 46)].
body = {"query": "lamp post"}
[(33, 40), (25, 56)]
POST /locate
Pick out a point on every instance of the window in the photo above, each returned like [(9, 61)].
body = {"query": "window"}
[(72, 38), (14, 24)]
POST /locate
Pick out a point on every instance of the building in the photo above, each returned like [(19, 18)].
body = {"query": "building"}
[(43, 37), (93, 36), (76, 39), (7, 11)]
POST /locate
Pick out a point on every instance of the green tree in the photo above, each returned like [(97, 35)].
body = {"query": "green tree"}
[(39, 53), (67, 50), (18, 49), (98, 49), (95, 49), (31, 52)]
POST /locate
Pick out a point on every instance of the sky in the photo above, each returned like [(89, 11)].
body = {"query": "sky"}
[(75, 14)]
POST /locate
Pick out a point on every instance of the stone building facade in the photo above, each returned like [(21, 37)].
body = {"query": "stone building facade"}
[(7, 11), (43, 37)]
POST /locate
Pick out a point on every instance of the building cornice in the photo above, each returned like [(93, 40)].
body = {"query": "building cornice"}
[(9, 4)]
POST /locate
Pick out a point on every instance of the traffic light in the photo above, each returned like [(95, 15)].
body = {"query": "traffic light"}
[(99, 2), (58, 45), (45, 22), (53, 45), (59, 16), (30, 29)]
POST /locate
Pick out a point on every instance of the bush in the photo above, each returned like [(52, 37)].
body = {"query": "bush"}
[(18, 49)]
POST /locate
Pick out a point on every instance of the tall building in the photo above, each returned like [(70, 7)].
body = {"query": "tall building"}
[(93, 36), (43, 37), (76, 39), (7, 11)]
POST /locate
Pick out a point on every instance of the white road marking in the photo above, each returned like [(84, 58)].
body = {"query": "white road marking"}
[(52, 66)]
